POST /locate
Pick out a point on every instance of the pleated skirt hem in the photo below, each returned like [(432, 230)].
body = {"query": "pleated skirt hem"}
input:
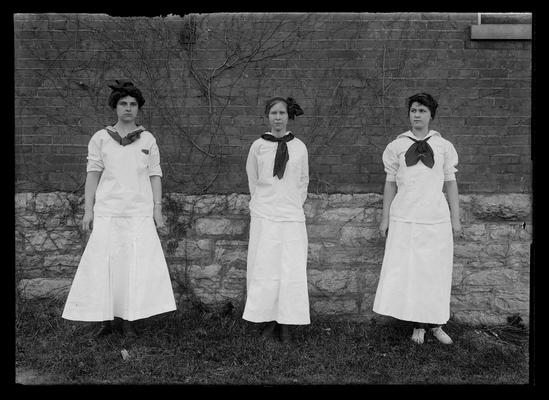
[(122, 273), (277, 273), (416, 274)]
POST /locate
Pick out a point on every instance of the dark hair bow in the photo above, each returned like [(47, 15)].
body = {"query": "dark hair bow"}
[(293, 108), (122, 84)]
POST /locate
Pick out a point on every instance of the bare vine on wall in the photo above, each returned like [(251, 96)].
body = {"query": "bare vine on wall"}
[(75, 74), (244, 45), (183, 78)]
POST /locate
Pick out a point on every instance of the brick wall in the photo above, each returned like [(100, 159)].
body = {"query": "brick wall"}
[(207, 76)]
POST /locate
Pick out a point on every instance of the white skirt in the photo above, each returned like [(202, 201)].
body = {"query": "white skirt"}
[(416, 275), (122, 273), (277, 273)]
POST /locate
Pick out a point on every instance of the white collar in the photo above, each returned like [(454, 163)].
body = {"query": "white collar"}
[(270, 133), (411, 135), (139, 127)]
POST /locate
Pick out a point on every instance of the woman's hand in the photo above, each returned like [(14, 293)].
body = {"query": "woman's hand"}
[(159, 221), (87, 221), (456, 225), (383, 227)]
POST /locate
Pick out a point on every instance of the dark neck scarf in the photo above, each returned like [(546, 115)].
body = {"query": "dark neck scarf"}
[(282, 156), (420, 150), (129, 138)]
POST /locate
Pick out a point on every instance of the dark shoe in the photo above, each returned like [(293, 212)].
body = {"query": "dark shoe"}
[(285, 336), (128, 329), (269, 329), (104, 329)]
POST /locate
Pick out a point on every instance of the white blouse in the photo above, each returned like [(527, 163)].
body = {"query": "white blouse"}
[(273, 198), (419, 195), (124, 187)]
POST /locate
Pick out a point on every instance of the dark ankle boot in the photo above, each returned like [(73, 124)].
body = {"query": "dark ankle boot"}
[(268, 329), (285, 336), (128, 329), (104, 329)]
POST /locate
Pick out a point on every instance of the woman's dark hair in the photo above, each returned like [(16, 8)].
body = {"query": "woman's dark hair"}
[(124, 88), (292, 107), (425, 99)]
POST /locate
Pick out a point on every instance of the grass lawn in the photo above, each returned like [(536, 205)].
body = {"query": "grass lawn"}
[(199, 347)]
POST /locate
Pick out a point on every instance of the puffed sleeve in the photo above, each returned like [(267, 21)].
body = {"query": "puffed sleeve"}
[(95, 161), (154, 160), (390, 162), (304, 178), (450, 162), (252, 168)]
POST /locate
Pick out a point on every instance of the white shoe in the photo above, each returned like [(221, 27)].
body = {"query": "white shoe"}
[(441, 335), (418, 335)]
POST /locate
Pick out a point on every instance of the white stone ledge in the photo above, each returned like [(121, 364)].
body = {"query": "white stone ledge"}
[(501, 32)]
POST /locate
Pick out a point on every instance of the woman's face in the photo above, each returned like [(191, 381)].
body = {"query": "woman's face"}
[(420, 116), (278, 117), (127, 109)]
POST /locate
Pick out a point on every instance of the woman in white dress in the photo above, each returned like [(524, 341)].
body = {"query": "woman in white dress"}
[(278, 176), (122, 272), (416, 275)]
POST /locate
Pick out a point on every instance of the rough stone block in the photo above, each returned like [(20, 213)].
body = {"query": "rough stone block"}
[(510, 207), (40, 287), (195, 250), (319, 232), (184, 203), (345, 215), (21, 201), (360, 235), (457, 273), (474, 232), (341, 258), (332, 283), (329, 255), (214, 284), (508, 231), (238, 204), (314, 253), (66, 260), (494, 277), (371, 254), (515, 302), (477, 318), (364, 200), (24, 260), (519, 256), (317, 201), (232, 253), (211, 204), (494, 251), (221, 226), (467, 251), (25, 221), (47, 201), (525, 233), (42, 240), (32, 272), (468, 300)]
